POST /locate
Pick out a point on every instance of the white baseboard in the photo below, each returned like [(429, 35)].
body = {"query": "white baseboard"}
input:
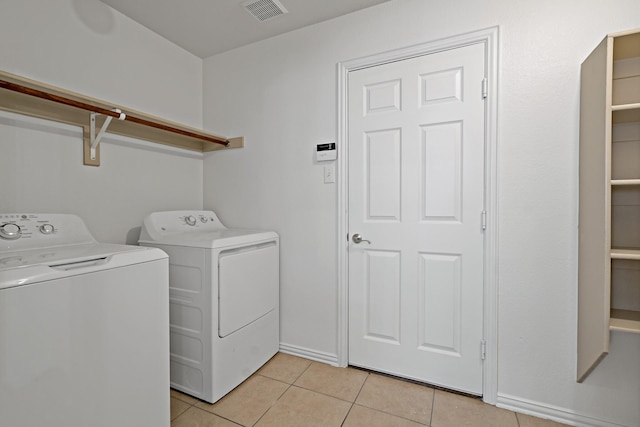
[(318, 356), (554, 413)]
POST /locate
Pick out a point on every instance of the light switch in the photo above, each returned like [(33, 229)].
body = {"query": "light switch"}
[(329, 174)]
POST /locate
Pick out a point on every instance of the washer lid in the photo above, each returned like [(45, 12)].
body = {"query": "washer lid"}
[(38, 265)]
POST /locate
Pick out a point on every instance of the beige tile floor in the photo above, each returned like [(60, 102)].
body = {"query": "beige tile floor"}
[(291, 391)]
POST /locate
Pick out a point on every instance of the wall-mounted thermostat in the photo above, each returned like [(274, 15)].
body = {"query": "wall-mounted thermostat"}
[(326, 151)]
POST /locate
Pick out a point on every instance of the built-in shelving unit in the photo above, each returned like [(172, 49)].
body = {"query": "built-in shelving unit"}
[(609, 222), (29, 97), (625, 184)]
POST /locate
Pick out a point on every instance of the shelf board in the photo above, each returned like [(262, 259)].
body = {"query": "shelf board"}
[(623, 107), (619, 253), (625, 320), (166, 132), (626, 45), (625, 182), (625, 113)]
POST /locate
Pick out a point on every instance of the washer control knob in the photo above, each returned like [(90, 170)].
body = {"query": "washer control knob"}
[(10, 231), (190, 220), (203, 219), (47, 229)]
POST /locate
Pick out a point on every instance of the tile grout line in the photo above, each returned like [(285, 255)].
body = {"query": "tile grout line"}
[(283, 393), (347, 415), (193, 405), (408, 381), (219, 416), (326, 394), (273, 404), (354, 400), (181, 413), (433, 404)]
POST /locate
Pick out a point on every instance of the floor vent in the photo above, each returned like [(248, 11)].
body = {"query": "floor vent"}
[(264, 10)]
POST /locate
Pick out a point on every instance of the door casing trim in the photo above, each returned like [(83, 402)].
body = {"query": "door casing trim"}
[(490, 38)]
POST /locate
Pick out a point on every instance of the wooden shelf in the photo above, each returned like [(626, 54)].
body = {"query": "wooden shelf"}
[(625, 107), (627, 113), (627, 45), (625, 254), (625, 182), (137, 124), (625, 320)]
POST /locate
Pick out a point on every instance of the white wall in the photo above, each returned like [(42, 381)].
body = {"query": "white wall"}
[(41, 170), (281, 95), (86, 47)]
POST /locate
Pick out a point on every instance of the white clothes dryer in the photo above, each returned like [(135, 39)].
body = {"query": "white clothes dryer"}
[(84, 337), (223, 296)]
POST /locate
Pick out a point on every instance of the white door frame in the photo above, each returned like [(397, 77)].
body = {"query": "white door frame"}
[(489, 37)]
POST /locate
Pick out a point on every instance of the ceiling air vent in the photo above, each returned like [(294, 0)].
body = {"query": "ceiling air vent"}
[(264, 10)]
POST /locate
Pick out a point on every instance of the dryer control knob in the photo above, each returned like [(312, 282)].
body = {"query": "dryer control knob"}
[(10, 231), (190, 220), (47, 229)]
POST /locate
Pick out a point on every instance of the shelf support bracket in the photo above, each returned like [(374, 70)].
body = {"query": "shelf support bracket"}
[(95, 139)]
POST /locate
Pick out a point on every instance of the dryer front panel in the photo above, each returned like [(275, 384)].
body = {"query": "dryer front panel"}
[(248, 285)]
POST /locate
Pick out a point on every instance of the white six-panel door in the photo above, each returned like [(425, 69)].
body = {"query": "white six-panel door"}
[(416, 192)]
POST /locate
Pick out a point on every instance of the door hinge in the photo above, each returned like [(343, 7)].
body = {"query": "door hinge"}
[(485, 88), (483, 349), (483, 220)]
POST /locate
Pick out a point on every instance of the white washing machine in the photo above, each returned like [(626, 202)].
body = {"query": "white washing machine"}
[(83, 327), (224, 299)]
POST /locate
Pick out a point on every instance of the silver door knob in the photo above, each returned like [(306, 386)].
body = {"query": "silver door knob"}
[(358, 239)]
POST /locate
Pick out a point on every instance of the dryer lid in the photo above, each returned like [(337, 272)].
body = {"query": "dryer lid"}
[(212, 239), (200, 229)]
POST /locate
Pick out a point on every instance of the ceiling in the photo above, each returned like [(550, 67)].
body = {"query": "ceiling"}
[(209, 27)]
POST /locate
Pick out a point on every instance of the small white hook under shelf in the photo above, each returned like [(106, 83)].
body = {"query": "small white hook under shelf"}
[(95, 139)]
